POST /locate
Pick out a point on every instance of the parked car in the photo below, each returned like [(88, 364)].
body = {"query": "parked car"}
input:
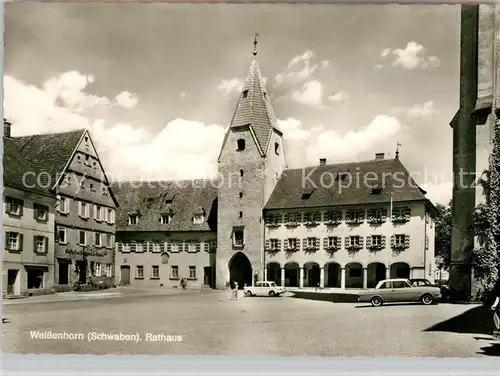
[(399, 290), (264, 288), (425, 282)]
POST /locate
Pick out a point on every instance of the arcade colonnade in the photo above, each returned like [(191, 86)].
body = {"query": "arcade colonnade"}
[(332, 274)]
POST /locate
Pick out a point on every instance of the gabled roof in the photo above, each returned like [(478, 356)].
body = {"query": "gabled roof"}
[(389, 174), (49, 152), (254, 109), (148, 198), (15, 167)]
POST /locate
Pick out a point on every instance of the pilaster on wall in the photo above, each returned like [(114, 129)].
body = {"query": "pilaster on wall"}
[(464, 159)]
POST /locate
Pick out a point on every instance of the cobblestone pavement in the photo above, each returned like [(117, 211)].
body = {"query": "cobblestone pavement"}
[(212, 324)]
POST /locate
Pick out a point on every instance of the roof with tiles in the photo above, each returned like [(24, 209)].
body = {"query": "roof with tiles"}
[(254, 108), (17, 170), (49, 152), (181, 199), (303, 188)]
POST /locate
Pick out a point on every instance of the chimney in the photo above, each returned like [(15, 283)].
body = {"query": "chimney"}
[(6, 128), (379, 156), (322, 161)]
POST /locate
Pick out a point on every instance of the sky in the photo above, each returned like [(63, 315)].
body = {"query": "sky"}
[(157, 84)]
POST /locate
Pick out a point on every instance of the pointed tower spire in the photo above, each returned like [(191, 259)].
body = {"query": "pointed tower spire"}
[(254, 109)]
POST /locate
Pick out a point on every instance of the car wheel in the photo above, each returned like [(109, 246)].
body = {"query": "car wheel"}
[(272, 293), (248, 293), (376, 301), (427, 299)]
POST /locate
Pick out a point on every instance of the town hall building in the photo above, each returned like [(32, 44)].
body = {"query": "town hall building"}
[(344, 225)]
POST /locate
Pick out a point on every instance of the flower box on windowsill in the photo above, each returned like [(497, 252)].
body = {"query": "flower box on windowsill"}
[(354, 248), (292, 224), (399, 247), (273, 250), (311, 224), (192, 279), (333, 222), (273, 225), (376, 221), (401, 219), (332, 249), (174, 278), (375, 248), (154, 278), (291, 249), (139, 278), (310, 249), (354, 222)]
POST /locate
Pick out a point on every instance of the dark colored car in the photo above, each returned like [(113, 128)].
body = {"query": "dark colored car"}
[(418, 282)]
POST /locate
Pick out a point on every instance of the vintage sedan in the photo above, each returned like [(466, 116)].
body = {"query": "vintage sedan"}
[(399, 290), (264, 288)]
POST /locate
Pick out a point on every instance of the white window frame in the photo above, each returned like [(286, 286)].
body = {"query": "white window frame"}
[(198, 219), (97, 213), (311, 242), (274, 243), (98, 239), (192, 269), (165, 219), (377, 243), (130, 221), (16, 245), (109, 270), (331, 241), (192, 247), (353, 242), (139, 271), (43, 240), (98, 269), (84, 209), (10, 201), (126, 248), (39, 208), (242, 237), (63, 205), (155, 268), (111, 216), (174, 271), (401, 237), (65, 231)]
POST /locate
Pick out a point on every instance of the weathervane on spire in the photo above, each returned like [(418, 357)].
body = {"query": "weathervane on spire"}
[(255, 44), (397, 150)]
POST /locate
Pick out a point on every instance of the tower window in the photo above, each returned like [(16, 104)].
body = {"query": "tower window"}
[(265, 94), (245, 94), (241, 214), (241, 194), (277, 148), (240, 144), (241, 172)]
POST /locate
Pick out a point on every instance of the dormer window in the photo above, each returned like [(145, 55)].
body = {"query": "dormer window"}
[(306, 194), (341, 176), (277, 148), (265, 94), (198, 219), (133, 219), (165, 219), (245, 94), (241, 194), (241, 214), (240, 145), (241, 172), (376, 191)]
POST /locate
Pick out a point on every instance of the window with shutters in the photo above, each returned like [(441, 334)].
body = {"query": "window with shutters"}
[(83, 210), (109, 241), (354, 242), (126, 248), (312, 219), (292, 244), (377, 215), (273, 245), (98, 240), (98, 269), (311, 244), (14, 206), (273, 220), (63, 205), (192, 272), (174, 246), (333, 217), (82, 237), (111, 216), (98, 213), (400, 241), (191, 246), (14, 241), (375, 242), (401, 214), (293, 219), (133, 219), (41, 212), (139, 272), (109, 270), (331, 243), (139, 247), (155, 247), (61, 235), (355, 216), (41, 244)]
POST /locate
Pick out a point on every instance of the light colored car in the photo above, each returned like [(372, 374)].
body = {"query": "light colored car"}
[(399, 290), (264, 288)]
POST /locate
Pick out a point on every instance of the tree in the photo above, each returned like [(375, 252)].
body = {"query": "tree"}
[(442, 242)]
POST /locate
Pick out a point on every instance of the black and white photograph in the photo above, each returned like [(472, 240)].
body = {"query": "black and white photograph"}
[(251, 179)]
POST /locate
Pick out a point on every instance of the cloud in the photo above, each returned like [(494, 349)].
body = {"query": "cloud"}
[(230, 87), (311, 94), (298, 70), (424, 110), (439, 192), (325, 64), (344, 148), (340, 97), (126, 100), (413, 56), (127, 151), (292, 129)]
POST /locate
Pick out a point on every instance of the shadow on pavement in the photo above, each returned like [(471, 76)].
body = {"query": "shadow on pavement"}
[(326, 297), (477, 320), (493, 350), (385, 305)]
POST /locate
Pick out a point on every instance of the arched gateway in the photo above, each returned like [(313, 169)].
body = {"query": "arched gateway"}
[(240, 270)]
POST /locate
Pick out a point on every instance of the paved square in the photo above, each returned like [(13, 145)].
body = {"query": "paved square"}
[(212, 324)]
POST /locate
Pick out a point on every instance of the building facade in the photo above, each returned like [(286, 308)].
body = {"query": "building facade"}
[(68, 165), (28, 224), (343, 234), (166, 232)]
